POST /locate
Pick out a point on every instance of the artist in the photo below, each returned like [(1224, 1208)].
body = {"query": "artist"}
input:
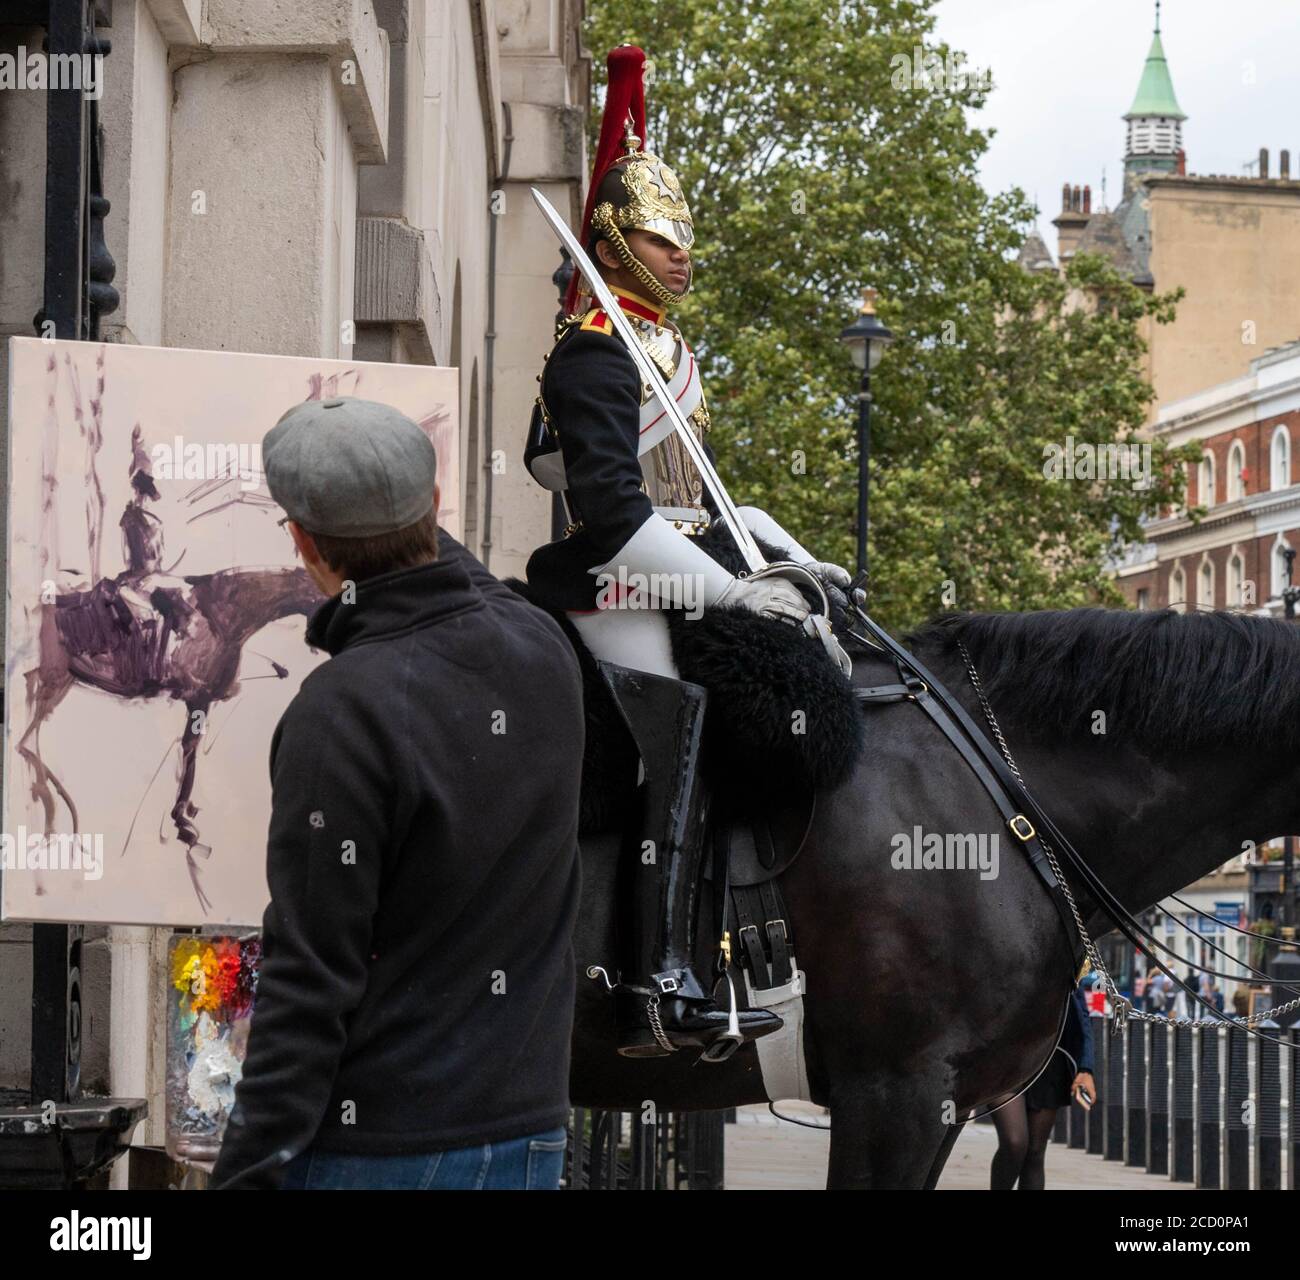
[(413, 1016)]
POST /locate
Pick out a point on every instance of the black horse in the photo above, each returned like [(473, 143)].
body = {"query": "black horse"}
[(1160, 744)]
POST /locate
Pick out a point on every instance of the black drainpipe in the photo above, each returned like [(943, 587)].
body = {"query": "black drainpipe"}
[(490, 341)]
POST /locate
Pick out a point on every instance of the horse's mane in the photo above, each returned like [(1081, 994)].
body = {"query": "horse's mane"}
[(1166, 681)]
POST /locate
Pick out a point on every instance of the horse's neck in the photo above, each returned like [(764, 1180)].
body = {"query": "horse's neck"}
[(244, 608), (1148, 826), (292, 601)]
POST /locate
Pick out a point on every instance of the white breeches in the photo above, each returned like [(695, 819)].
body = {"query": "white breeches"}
[(636, 638)]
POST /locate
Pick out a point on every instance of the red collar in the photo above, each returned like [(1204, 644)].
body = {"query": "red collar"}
[(635, 305)]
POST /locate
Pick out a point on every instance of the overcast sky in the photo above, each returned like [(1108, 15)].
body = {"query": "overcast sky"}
[(1065, 72)]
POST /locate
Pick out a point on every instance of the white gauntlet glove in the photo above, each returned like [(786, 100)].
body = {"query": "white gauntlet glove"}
[(772, 597), (835, 574), (760, 523)]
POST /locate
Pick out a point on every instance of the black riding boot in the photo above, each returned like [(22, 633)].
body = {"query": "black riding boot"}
[(662, 1003)]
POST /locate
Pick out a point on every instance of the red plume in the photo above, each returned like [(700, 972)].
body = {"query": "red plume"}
[(625, 92)]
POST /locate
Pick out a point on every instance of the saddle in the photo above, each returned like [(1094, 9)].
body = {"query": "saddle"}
[(759, 675), (108, 644)]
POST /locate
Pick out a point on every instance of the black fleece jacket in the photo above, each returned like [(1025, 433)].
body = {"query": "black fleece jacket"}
[(417, 983)]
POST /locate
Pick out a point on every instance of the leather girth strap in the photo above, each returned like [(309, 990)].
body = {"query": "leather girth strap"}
[(762, 930)]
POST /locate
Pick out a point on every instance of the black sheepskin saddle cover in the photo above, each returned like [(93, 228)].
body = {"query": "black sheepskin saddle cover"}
[(780, 717)]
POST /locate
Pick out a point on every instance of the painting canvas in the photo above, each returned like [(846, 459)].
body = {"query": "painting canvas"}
[(155, 620)]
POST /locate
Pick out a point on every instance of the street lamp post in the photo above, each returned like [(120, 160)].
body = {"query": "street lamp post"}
[(866, 339)]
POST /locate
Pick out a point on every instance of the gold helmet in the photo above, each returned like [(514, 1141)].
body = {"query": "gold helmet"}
[(641, 193), (632, 190)]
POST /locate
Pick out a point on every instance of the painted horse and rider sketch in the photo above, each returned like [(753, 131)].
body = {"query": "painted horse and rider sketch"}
[(124, 679), (147, 633)]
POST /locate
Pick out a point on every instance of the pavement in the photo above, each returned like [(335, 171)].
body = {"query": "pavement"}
[(767, 1154)]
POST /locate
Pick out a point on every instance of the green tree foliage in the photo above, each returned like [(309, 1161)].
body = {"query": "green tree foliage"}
[(824, 146)]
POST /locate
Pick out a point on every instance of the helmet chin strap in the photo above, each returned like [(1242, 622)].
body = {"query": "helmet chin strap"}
[(632, 264)]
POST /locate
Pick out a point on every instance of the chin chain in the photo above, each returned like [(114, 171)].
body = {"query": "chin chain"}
[(603, 221)]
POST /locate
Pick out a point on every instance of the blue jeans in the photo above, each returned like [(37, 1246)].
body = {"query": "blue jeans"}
[(530, 1163)]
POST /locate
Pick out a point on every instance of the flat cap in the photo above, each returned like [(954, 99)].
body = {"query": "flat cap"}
[(350, 468)]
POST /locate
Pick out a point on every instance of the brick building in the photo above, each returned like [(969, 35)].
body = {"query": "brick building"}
[(1246, 488)]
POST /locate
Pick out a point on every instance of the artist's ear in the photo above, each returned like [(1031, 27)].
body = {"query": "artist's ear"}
[(305, 543)]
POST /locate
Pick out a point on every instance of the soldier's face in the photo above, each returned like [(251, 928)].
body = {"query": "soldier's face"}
[(669, 265)]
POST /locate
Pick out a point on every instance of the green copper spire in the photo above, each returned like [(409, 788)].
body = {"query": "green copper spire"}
[(1155, 94)]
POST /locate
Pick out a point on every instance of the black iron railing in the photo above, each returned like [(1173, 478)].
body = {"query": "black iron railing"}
[(629, 1151)]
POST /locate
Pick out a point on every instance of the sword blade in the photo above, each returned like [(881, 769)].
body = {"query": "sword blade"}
[(651, 375)]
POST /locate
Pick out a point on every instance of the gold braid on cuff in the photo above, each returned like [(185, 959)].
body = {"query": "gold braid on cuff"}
[(603, 221)]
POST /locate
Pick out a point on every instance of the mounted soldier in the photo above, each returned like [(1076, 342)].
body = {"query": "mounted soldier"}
[(637, 505)]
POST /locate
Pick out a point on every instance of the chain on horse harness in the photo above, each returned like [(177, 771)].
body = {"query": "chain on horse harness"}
[(1002, 779)]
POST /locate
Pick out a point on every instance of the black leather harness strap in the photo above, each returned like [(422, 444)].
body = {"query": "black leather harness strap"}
[(886, 692), (747, 934), (983, 761), (776, 926), (1019, 825)]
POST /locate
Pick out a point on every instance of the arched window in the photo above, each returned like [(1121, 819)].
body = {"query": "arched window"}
[(1236, 583), (1205, 481), (1205, 586), (1178, 591), (1279, 455), (1236, 472)]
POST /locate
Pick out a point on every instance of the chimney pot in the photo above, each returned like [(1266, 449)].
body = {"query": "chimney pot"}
[(1077, 201), (1263, 162), (1181, 169), (1087, 199), (1284, 163), (1065, 198)]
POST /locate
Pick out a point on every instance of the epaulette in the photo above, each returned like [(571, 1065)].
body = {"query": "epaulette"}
[(596, 321)]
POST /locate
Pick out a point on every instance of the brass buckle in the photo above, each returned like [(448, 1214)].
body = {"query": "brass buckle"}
[(1027, 833)]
